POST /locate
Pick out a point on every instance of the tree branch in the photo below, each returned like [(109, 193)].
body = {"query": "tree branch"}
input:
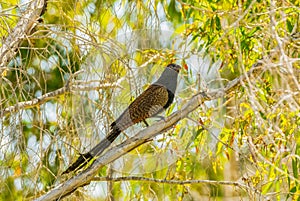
[(24, 26), (86, 86), (86, 176), (177, 182)]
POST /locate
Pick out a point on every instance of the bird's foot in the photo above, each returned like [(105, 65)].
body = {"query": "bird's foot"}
[(160, 118)]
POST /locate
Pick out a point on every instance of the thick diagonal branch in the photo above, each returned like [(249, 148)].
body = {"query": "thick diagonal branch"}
[(85, 177)]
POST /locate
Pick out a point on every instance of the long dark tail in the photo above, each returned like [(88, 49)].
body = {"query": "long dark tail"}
[(96, 151)]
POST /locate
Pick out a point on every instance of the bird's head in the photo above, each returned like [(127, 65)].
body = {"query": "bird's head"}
[(174, 67), (169, 77)]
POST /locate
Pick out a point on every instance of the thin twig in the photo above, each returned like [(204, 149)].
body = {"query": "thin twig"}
[(176, 182), (264, 159), (65, 89)]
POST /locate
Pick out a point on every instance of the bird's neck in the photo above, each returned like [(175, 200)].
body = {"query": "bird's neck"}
[(168, 79)]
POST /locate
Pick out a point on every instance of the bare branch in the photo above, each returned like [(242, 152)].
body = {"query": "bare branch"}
[(177, 182), (25, 25), (86, 86)]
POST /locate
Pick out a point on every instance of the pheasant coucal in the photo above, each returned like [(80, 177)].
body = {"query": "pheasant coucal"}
[(157, 97)]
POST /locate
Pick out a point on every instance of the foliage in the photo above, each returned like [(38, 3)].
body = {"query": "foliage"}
[(250, 136)]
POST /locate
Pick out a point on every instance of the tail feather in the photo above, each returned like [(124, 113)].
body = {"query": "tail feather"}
[(96, 151), (99, 148)]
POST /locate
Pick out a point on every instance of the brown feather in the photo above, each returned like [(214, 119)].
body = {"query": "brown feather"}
[(146, 105)]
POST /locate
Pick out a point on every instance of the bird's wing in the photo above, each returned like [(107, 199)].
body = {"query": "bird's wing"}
[(148, 104)]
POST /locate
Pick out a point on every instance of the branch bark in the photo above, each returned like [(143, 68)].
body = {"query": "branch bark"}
[(87, 86), (21, 31), (177, 182), (86, 176)]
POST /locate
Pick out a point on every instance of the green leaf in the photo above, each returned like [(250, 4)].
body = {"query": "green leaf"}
[(289, 26), (218, 23), (295, 167), (173, 13)]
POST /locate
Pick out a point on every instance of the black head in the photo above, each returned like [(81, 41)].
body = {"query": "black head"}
[(174, 67)]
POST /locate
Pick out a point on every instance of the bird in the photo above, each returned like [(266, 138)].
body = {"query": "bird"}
[(156, 98)]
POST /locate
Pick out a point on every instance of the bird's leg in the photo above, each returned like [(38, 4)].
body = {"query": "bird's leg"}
[(156, 116), (160, 117), (145, 122)]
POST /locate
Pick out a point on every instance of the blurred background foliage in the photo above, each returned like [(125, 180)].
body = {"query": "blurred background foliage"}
[(250, 136)]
